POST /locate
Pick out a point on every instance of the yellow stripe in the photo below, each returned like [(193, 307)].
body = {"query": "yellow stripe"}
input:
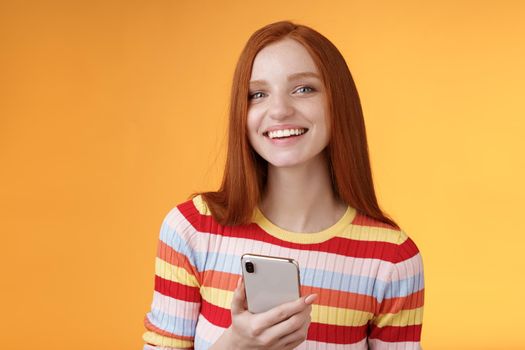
[(339, 316), (320, 313), (174, 273), (403, 318), (299, 237), (373, 234), (201, 206), (159, 340), (218, 297)]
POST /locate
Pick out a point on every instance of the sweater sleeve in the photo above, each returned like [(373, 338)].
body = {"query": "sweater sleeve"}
[(397, 323), (172, 320)]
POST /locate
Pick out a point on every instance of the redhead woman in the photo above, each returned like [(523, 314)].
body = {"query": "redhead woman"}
[(297, 184)]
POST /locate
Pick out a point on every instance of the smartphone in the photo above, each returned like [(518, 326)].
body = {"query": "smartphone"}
[(269, 281)]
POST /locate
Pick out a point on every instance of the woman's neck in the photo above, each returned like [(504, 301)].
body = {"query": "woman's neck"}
[(301, 198)]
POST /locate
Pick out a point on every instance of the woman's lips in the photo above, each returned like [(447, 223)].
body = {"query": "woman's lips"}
[(285, 141)]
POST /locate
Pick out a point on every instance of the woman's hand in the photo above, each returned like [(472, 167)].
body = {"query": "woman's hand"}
[(281, 328)]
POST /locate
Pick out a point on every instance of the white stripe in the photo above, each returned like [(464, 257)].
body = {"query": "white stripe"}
[(175, 307), (208, 331)]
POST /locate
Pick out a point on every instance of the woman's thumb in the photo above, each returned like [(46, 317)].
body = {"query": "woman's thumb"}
[(239, 298)]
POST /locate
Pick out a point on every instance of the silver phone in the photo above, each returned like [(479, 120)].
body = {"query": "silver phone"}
[(269, 281)]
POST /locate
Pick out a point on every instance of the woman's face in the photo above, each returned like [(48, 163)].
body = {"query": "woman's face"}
[(287, 113)]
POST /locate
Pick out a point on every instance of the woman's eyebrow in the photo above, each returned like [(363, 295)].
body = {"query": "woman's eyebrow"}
[(303, 75), (257, 82), (291, 77)]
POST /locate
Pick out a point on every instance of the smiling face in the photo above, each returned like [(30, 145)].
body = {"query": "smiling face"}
[(287, 114)]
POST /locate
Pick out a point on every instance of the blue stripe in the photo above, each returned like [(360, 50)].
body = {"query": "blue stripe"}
[(172, 324), (361, 284), (322, 278), (170, 237), (219, 262), (402, 288), (341, 282)]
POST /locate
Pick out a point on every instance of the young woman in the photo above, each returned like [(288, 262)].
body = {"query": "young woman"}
[(297, 184)]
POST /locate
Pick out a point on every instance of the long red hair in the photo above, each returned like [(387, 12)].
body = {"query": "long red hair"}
[(245, 172)]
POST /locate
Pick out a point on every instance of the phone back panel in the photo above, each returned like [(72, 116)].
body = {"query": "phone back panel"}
[(273, 282)]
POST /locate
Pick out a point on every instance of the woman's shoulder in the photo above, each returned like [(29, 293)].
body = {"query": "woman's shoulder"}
[(395, 243), (189, 215)]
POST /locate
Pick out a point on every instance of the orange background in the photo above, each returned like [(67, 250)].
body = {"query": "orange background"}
[(112, 112)]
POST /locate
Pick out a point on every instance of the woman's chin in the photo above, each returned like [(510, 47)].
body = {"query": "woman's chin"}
[(285, 163)]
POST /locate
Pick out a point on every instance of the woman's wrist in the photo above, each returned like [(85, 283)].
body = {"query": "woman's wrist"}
[(224, 342)]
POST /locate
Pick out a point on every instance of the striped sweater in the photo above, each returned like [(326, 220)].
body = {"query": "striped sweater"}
[(368, 275)]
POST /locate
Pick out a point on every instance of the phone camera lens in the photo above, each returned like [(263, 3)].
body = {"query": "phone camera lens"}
[(249, 267)]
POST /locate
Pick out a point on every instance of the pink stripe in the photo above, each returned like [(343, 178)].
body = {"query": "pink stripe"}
[(309, 344), (408, 268), (208, 331), (152, 347)]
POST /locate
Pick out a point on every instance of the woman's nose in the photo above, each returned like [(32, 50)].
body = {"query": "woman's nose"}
[(280, 106)]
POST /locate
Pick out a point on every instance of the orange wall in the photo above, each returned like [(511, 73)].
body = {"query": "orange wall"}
[(112, 112)]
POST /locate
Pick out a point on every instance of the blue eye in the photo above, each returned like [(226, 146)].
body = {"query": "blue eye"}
[(255, 95), (305, 89)]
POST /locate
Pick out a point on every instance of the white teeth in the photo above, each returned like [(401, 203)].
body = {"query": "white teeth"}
[(285, 133)]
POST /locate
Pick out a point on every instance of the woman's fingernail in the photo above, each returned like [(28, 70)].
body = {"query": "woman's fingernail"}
[(310, 299)]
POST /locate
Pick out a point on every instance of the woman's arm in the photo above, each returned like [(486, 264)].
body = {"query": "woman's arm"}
[(398, 322), (172, 320)]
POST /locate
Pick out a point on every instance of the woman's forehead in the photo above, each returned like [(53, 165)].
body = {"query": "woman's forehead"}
[(284, 57)]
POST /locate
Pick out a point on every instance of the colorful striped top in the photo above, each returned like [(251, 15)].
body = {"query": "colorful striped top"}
[(368, 275)]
